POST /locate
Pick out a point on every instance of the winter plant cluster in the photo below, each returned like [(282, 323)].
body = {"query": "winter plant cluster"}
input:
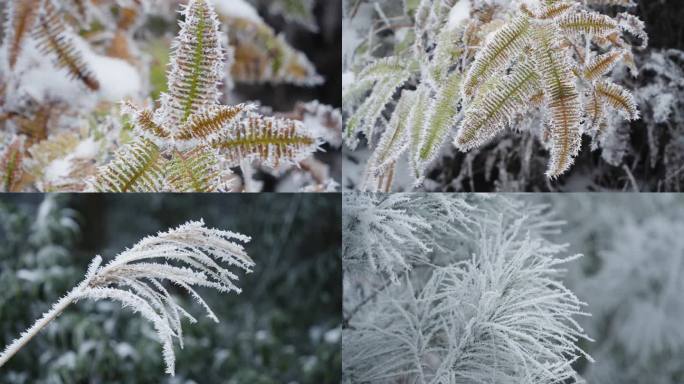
[(134, 278), (432, 84), (85, 103), (453, 289)]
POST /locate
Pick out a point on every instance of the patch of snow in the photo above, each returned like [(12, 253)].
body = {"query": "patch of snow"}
[(58, 170), (459, 13), (86, 149), (118, 79)]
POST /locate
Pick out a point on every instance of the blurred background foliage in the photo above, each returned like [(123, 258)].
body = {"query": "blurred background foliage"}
[(283, 328)]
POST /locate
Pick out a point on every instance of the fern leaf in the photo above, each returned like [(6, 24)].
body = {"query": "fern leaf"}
[(506, 43), (144, 120), (209, 123), (368, 113), (441, 117), (595, 112), (555, 10), (416, 124), (136, 167), (53, 39), (619, 98), (383, 68), (22, 19), (196, 67), (11, 165), (272, 141), (601, 64), (489, 113), (584, 22), (562, 99), (395, 138), (194, 171)]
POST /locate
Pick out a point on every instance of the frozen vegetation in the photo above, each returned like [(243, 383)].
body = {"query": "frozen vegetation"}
[(509, 95), (276, 330), (523, 289), (154, 96)]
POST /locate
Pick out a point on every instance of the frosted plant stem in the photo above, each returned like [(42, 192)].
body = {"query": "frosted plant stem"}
[(27, 335)]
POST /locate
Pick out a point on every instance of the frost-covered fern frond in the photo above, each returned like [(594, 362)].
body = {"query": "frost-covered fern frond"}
[(503, 316), (491, 111), (194, 171), (12, 165), (54, 39), (562, 99), (507, 43), (22, 19), (191, 140), (136, 167), (555, 31), (205, 125), (196, 68), (269, 140), (618, 98), (461, 55), (199, 257)]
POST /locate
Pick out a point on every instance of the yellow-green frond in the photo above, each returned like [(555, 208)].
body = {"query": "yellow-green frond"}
[(383, 68), (394, 139), (143, 119), (209, 123), (562, 99), (601, 64), (503, 46), (441, 119), (196, 67), (556, 9), (490, 112), (368, 113), (416, 124), (619, 98), (269, 140), (585, 22), (194, 171), (136, 167)]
